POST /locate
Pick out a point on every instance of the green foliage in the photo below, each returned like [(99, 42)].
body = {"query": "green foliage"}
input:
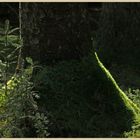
[(41, 121), (19, 112), (9, 46), (85, 101), (8, 57), (134, 95)]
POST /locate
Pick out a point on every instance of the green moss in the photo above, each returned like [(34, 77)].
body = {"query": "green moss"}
[(127, 101), (85, 101)]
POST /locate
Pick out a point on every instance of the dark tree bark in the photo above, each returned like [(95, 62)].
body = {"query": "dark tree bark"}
[(118, 36), (9, 11), (55, 32)]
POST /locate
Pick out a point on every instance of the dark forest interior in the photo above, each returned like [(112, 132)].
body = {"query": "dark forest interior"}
[(69, 70)]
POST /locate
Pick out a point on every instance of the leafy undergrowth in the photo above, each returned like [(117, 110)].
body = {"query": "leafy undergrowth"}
[(129, 80), (19, 112), (134, 95), (85, 101)]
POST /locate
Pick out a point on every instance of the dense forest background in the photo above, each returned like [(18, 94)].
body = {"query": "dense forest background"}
[(69, 70)]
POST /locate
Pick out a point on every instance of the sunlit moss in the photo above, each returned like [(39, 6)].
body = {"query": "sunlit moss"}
[(85, 100), (127, 101)]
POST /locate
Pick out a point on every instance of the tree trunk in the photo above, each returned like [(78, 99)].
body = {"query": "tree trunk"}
[(118, 36), (55, 32)]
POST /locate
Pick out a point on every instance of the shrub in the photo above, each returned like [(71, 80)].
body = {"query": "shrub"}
[(20, 115), (84, 100), (19, 112), (134, 95)]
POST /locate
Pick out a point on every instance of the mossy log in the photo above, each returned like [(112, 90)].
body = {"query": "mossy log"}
[(85, 101)]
